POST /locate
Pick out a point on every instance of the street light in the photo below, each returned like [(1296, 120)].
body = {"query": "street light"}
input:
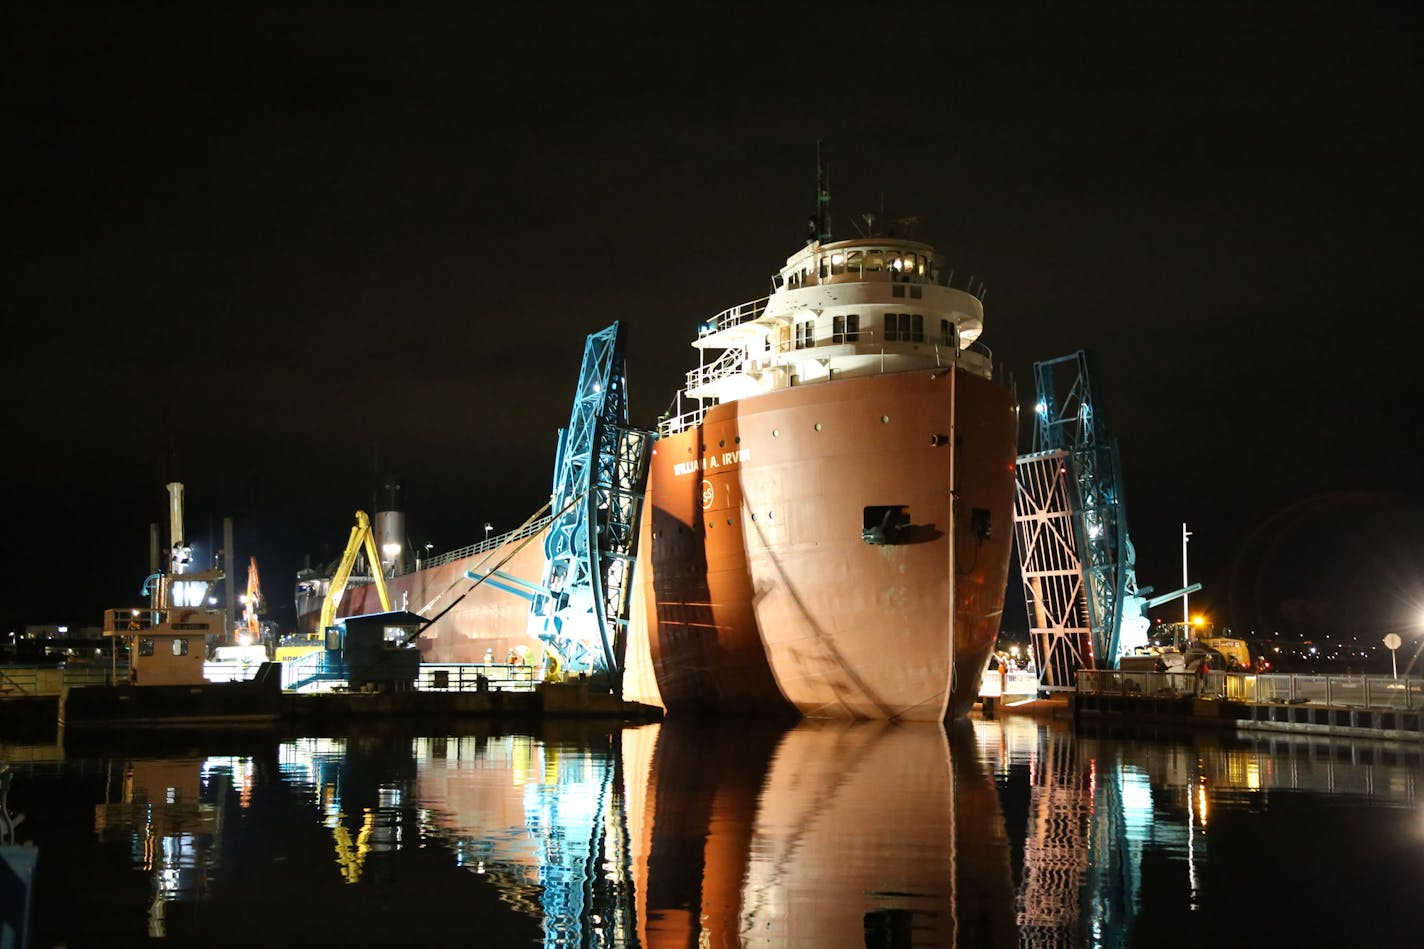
[(1186, 613), (488, 527)]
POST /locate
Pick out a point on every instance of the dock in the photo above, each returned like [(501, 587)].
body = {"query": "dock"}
[(1357, 706), (83, 704)]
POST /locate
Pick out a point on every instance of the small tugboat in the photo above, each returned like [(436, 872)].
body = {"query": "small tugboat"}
[(167, 643)]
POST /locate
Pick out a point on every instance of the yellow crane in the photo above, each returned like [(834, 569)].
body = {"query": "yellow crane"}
[(361, 538)]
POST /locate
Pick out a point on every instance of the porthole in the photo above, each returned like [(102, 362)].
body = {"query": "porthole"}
[(884, 420), (771, 515), (722, 443), (776, 433), (818, 426), (729, 522), (753, 521), (737, 440)]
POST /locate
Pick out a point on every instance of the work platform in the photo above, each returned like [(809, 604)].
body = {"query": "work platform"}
[(1350, 706)]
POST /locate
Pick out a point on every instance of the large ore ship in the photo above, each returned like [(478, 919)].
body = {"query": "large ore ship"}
[(830, 500), (473, 622)]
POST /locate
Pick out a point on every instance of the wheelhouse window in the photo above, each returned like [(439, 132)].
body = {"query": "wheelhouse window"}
[(805, 334), (145, 646), (845, 329), (180, 646), (904, 327)]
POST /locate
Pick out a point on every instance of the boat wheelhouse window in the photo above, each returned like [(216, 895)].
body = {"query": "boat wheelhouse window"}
[(180, 646), (853, 261), (845, 329), (837, 264), (946, 336), (145, 647), (904, 327), (805, 334), (823, 268), (874, 260)]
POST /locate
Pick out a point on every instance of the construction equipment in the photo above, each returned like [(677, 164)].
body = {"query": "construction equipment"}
[(251, 628), (361, 539)]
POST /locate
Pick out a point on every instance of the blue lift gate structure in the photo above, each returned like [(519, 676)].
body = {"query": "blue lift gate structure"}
[(1085, 610), (1071, 527), (600, 472)]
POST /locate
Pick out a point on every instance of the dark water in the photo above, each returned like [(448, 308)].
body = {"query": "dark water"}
[(993, 833)]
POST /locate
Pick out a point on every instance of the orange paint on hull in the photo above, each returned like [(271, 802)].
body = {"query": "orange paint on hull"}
[(761, 595), (485, 618)]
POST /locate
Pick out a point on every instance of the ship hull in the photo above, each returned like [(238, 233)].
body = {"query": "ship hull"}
[(762, 595), (473, 622)]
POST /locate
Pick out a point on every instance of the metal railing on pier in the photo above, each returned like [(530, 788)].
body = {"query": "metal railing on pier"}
[(43, 681), (315, 672), (467, 676), (1349, 691)]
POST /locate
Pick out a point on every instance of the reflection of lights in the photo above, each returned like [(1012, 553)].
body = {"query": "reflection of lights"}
[(1201, 802)]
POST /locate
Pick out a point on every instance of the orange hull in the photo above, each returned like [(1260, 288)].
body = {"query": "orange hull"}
[(482, 618), (760, 593)]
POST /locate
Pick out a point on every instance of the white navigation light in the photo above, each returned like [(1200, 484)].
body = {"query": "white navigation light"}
[(1041, 408)]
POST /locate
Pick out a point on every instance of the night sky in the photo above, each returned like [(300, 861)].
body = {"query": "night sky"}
[(279, 255)]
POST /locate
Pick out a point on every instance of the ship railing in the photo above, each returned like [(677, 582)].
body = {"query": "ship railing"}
[(484, 546), (475, 677), (127, 619), (733, 316), (673, 424), (1349, 691), (730, 363)]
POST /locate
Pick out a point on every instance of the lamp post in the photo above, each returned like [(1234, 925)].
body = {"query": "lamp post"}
[(488, 527), (1186, 610)]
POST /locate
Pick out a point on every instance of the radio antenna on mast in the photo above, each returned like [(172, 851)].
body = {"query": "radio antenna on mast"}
[(821, 223)]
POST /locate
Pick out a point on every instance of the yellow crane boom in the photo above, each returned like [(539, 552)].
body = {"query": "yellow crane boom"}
[(361, 538)]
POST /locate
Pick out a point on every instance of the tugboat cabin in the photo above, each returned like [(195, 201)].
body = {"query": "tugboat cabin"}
[(166, 647)]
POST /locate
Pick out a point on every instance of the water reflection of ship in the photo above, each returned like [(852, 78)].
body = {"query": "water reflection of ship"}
[(170, 813), (682, 835), (829, 834)]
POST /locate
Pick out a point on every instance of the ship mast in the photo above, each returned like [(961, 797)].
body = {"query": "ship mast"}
[(821, 223)]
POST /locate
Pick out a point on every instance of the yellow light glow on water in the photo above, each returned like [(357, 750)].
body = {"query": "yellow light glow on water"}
[(1201, 803)]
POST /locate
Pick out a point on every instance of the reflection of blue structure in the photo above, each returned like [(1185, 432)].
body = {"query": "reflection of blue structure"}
[(568, 864)]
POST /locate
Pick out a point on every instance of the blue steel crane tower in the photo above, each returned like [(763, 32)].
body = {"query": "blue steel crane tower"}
[(1077, 562), (600, 471)]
